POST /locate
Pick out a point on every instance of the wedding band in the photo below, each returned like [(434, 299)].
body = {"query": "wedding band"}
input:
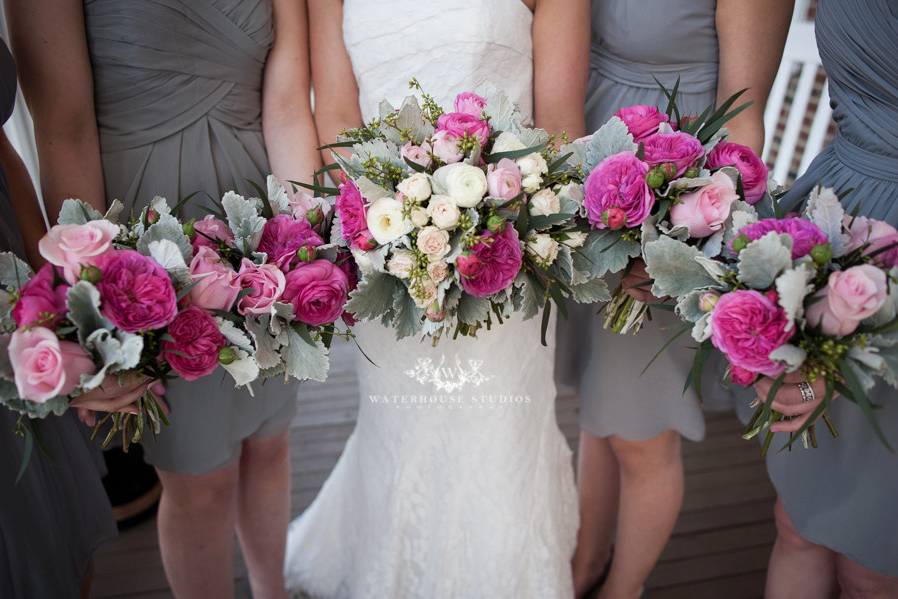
[(807, 392)]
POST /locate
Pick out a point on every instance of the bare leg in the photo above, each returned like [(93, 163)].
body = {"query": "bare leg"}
[(263, 512), (196, 532), (597, 481), (798, 568), (651, 482), (858, 582)]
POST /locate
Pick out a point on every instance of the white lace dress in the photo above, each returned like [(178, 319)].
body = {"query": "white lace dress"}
[(456, 482)]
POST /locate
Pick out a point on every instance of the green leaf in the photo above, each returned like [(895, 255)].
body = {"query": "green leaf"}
[(668, 343), (847, 368), (319, 189), (544, 327), (14, 273), (514, 154), (27, 449), (604, 252)]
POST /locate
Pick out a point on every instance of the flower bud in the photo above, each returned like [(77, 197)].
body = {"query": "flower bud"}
[(614, 218), (822, 254), (434, 313), (364, 241), (655, 178), (740, 243), (707, 301), (773, 296), (227, 355), (692, 172), (91, 274), (495, 223), (189, 229), (315, 216), (152, 216), (306, 253), (669, 169)]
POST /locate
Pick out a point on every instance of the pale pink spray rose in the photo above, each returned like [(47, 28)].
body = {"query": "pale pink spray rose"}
[(880, 237), (209, 231), (44, 366), (641, 120), (74, 246), (266, 283), (750, 167), (215, 282), (503, 179), (445, 147), (746, 326), (849, 297), (680, 149), (618, 182), (704, 211), (419, 155), (470, 103)]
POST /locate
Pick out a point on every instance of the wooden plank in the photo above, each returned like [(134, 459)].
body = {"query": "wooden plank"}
[(728, 563), (718, 540), (749, 585)]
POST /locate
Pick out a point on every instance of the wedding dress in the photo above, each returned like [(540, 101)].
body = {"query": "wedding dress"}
[(456, 482)]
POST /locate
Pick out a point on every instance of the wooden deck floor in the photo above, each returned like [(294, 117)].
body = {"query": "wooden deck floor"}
[(719, 549)]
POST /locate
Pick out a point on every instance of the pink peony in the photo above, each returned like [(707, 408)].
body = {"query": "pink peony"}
[(195, 343), (641, 120), (741, 376), (74, 246), (445, 147), (470, 103), (618, 182), (704, 211), (746, 326), (215, 282), (849, 297), (504, 179), (283, 235), (750, 167), (350, 207), (136, 293), (492, 264), (459, 124), (209, 231), (42, 300), (44, 366), (419, 155), (877, 235), (680, 149), (805, 234), (266, 283), (318, 291)]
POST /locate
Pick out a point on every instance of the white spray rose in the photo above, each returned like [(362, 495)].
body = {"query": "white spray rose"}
[(438, 271), (423, 293), (401, 264), (533, 167), (443, 212), (416, 187), (419, 216), (385, 220), (507, 142), (545, 203), (543, 248), (433, 241), (465, 184)]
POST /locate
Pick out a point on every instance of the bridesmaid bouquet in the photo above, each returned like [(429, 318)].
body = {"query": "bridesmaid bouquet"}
[(650, 173), (813, 294), (459, 219)]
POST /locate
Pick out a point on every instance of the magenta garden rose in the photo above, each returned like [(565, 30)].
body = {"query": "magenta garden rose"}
[(209, 231), (74, 246), (317, 291), (805, 234), (195, 343), (265, 283), (704, 211), (492, 264), (618, 182), (849, 297), (680, 149), (460, 124), (283, 235), (215, 284), (750, 167), (641, 120), (350, 207), (746, 326), (44, 366), (136, 293), (42, 300)]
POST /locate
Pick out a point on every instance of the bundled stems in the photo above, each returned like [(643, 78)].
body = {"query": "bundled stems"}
[(131, 427), (625, 315)]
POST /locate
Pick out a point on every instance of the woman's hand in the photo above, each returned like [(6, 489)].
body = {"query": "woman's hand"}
[(636, 283), (115, 396), (790, 402)]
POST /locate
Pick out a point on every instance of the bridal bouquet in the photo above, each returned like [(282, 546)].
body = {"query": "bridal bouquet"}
[(459, 218), (813, 294), (255, 292), (651, 173)]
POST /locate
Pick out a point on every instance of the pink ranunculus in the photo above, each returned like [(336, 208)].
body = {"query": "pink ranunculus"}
[(750, 167), (44, 366), (504, 179), (209, 231), (849, 297), (618, 182), (492, 264), (677, 148), (215, 281), (641, 120), (364, 241), (42, 300), (741, 376), (346, 263), (419, 155), (195, 344), (136, 293), (805, 234), (877, 235), (445, 147), (459, 124), (266, 283), (350, 208), (283, 235), (318, 291), (470, 103), (747, 326), (704, 211), (74, 246)]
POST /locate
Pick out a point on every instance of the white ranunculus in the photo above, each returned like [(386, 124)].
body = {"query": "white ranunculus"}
[(416, 187), (465, 184), (385, 220), (438, 271), (545, 203), (575, 239), (543, 248), (443, 212), (433, 241), (507, 142), (419, 216), (401, 264)]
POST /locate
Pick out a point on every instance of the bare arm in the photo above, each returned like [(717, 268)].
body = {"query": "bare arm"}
[(28, 217), (290, 137), (751, 37), (561, 30), (336, 91), (50, 45)]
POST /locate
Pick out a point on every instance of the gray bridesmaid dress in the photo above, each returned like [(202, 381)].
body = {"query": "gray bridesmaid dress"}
[(178, 93), (843, 494), (53, 519), (632, 42)]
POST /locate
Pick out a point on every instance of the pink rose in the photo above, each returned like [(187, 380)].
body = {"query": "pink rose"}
[(746, 326), (750, 167), (350, 208), (680, 149), (282, 236), (266, 283), (304, 206), (618, 182), (877, 235), (318, 291), (641, 120), (209, 231), (470, 103), (215, 282), (445, 147), (195, 343), (741, 376), (44, 366), (136, 293), (503, 179), (74, 246), (419, 155), (492, 264), (849, 297), (705, 210), (42, 300), (459, 124)]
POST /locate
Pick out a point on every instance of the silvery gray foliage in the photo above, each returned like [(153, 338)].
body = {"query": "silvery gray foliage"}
[(762, 260), (502, 112), (673, 266), (411, 121), (605, 252), (117, 351), (267, 344), (407, 316), (791, 356), (373, 298), (527, 298), (167, 228), (14, 272), (83, 302), (590, 292), (305, 358), (824, 210), (472, 310), (612, 138), (243, 220), (77, 212), (792, 287)]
